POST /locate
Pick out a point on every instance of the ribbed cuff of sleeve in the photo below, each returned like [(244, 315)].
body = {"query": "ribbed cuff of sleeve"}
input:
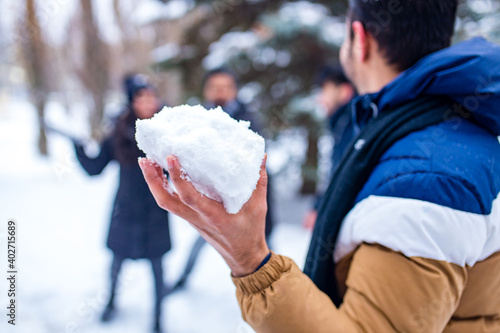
[(265, 276)]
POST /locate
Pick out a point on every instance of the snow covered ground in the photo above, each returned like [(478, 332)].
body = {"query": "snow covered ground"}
[(62, 217)]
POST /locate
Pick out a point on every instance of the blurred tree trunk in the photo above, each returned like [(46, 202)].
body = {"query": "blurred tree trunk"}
[(134, 51), (127, 30), (34, 54), (95, 72)]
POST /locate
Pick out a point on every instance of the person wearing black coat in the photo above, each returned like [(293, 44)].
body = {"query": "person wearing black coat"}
[(334, 97), (220, 89), (139, 229)]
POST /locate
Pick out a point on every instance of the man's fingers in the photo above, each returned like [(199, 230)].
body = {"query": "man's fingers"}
[(159, 171), (187, 193), (163, 194)]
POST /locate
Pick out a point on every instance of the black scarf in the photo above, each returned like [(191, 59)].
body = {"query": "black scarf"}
[(356, 166)]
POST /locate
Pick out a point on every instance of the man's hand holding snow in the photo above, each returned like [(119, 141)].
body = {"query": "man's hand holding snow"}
[(239, 238)]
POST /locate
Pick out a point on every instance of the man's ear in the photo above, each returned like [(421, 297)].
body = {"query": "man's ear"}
[(360, 41)]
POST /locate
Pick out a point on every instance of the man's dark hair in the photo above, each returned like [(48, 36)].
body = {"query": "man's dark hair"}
[(220, 70), (333, 74), (406, 30)]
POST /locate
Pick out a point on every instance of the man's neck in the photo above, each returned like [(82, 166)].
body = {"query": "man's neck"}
[(378, 77)]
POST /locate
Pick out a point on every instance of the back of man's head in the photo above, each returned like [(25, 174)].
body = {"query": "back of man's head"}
[(406, 30)]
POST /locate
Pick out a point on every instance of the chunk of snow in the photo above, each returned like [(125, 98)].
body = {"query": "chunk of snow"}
[(220, 156)]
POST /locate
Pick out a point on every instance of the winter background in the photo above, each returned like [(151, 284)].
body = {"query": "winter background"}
[(62, 215), (62, 218)]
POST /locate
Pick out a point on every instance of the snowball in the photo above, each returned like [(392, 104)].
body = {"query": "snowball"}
[(220, 156)]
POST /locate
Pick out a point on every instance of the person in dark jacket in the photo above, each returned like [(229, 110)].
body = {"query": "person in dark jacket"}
[(220, 88), (139, 228), (336, 92)]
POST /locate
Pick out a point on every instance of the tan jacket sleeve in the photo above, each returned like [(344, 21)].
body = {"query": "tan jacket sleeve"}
[(386, 292)]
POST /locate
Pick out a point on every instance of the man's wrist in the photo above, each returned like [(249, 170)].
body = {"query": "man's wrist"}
[(252, 265), (266, 259)]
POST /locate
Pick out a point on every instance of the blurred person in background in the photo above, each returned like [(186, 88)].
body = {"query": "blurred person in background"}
[(139, 229), (220, 88), (336, 92)]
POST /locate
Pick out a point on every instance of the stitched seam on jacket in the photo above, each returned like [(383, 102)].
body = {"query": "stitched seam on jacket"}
[(462, 182)]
